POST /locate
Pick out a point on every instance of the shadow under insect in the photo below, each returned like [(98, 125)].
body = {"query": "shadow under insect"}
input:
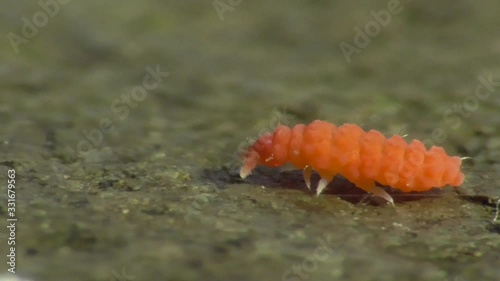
[(340, 187)]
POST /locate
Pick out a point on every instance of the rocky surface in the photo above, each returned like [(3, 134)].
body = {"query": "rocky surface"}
[(125, 172)]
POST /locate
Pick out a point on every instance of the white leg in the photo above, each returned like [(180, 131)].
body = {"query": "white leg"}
[(370, 187), (322, 185), (307, 176), (382, 193)]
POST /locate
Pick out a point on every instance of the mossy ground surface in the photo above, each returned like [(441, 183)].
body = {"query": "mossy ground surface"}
[(159, 198)]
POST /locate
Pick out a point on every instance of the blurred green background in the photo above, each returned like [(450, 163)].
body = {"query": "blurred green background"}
[(115, 182)]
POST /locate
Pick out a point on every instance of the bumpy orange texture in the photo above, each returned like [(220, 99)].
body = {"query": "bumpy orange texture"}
[(362, 157)]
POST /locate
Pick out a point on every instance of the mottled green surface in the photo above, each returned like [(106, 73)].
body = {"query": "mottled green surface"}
[(159, 197)]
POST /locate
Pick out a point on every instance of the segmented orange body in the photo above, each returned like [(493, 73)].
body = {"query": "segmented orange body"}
[(364, 158)]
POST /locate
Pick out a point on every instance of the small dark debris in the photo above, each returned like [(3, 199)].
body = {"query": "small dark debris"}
[(494, 227), (31, 252), (238, 242), (154, 211), (253, 200), (222, 177), (478, 199), (132, 188), (80, 238), (50, 140), (297, 226), (105, 184), (129, 174), (8, 164), (80, 203), (196, 263), (220, 249)]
